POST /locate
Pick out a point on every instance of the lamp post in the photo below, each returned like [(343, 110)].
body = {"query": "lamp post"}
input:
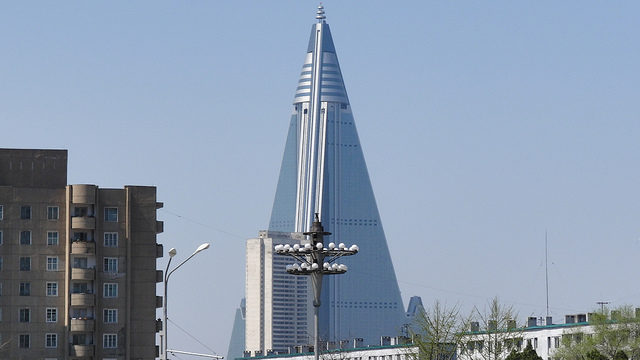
[(316, 261), (167, 273)]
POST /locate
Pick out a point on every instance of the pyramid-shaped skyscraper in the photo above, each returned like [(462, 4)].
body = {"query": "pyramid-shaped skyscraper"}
[(323, 171)]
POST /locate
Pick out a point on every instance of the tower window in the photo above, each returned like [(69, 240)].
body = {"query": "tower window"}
[(25, 341), (53, 212), (25, 212), (111, 214), (25, 237)]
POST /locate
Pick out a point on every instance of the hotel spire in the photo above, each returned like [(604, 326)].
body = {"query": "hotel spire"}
[(323, 171)]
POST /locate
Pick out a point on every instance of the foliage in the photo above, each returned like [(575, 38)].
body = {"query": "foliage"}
[(498, 331), (438, 332), (611, 335), (527, 354)]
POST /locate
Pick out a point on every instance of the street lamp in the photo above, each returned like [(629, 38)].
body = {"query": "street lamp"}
[(316, 260), (167, 273)]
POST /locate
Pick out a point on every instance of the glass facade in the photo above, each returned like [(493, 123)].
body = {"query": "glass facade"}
[(328, 174)]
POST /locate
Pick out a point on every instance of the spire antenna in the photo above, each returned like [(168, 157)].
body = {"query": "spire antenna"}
[(320, 13)]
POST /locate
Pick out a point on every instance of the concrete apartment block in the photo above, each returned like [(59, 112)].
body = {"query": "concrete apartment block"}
[(77, 263)]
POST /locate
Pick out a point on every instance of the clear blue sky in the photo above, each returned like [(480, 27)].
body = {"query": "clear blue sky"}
[(483, 124)]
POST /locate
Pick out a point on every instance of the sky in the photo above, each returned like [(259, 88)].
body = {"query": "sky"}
[(484, 126)]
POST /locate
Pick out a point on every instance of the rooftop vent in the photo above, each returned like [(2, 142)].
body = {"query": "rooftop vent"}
[(569, 319), (475, 326)]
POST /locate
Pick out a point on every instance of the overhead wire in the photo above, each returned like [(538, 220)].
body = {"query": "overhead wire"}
[(455, 292), (193, 337)]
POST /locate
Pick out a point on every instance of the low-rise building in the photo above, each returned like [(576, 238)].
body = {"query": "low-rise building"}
[(541, 334)]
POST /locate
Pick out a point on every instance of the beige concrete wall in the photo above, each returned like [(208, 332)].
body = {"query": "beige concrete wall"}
[(33, 168), (12, 199), (136, 252)]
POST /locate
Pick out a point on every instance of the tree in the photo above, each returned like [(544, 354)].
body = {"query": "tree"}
[(611, 335), (494, 333), (438, 332), (527, 354)]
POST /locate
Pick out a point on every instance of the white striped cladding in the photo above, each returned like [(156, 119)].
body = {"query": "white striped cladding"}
[(331, 87)]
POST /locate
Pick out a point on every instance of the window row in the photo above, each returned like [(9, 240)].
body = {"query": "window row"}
[(25, 263), (109, 341), (53, 238), (109, 316), (50, 341), (109, 290), (110, 264), (53, 212)]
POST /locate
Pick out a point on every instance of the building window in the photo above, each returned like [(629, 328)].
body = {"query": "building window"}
[(52, 238), (110, 290), (53, 212), (0, 319), (25, 289), (25, 212), (0, 263), (110, 341), (51, 341), (110, 316), (25, 237), (110, 239), (79, 339), (111, 264), (80, 288), (0, 237), (80, 236), (111, 214), (52, 315), (25, 315), (25, 263), (25, 341), (52, 289), (1, 212), (52, 263), (80, 262)]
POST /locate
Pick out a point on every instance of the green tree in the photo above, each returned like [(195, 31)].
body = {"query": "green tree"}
[(438, 332), (527, 354), (613, 335), (497, 332)]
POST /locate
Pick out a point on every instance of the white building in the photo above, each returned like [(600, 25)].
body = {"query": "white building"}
[(382, 352), (543, 336), (278, 310)]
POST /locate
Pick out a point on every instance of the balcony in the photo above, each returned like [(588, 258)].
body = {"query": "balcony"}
[(84, 194), (83, 273), (82, 299), (81, 351), (82, 324), (83, 222), (83, 247)]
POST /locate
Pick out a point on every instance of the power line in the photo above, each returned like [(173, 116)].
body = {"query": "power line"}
[(193, 337), (203, 225), (459, 293)]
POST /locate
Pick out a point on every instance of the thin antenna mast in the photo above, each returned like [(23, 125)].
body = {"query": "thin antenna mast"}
[(546, 269)]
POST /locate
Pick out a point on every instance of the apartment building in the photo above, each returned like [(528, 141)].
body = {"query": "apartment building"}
[(77, 263)]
